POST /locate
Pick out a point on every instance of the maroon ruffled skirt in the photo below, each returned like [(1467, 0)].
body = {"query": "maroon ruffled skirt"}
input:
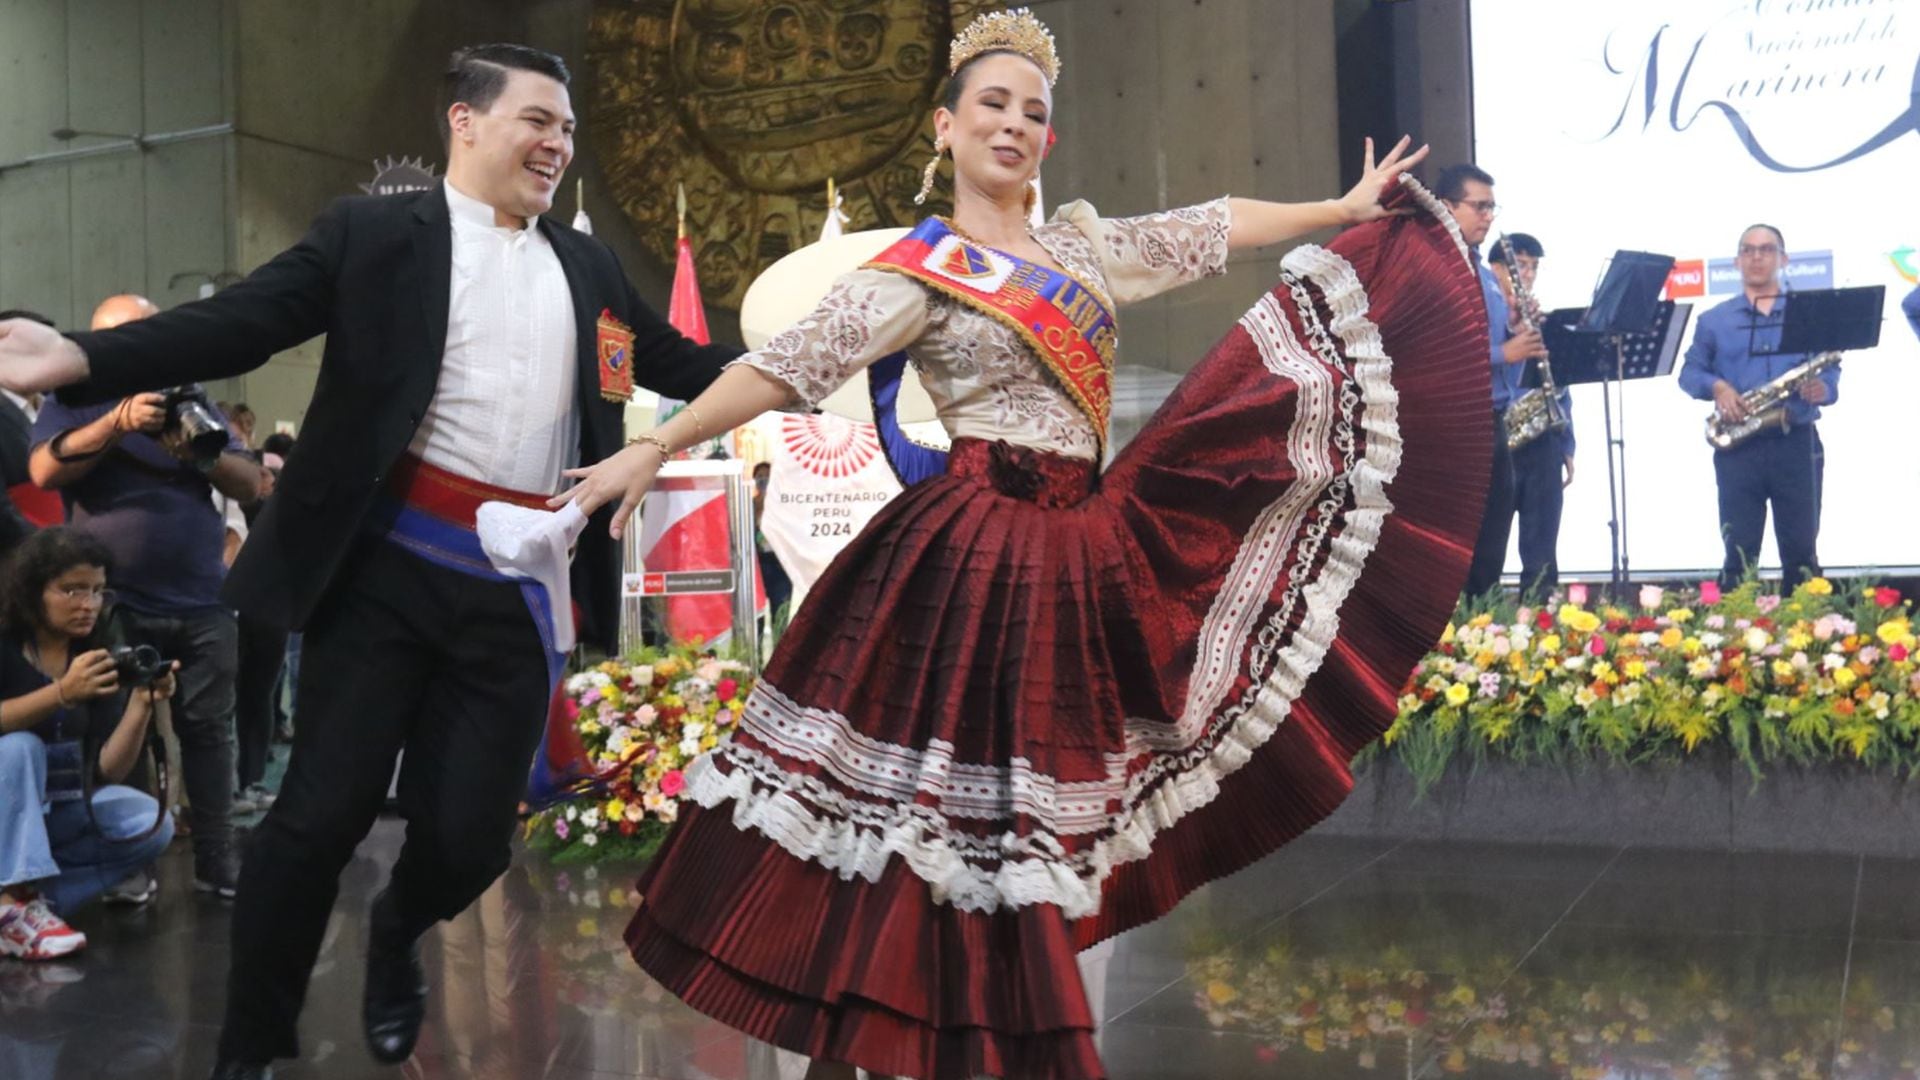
[(1032, 706)]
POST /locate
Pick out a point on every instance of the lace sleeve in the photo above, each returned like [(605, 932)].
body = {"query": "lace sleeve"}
[(1147, 255), (867, 315)]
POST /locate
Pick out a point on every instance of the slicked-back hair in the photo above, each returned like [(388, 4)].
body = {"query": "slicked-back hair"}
[(30, 316), (1523, 244), (957, 84), (1451, 184), (476, 75)]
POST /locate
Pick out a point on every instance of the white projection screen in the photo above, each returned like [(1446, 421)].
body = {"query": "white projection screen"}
[(1668, 126)]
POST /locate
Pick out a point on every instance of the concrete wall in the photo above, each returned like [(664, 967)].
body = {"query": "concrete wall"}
[(75, 231)]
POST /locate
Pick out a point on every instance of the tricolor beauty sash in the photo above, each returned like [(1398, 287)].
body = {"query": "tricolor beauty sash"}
[(1063, 319)]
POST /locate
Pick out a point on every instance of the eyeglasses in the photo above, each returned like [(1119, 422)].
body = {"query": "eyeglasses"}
[(75, 594), (1747, 251), (1486, 207)]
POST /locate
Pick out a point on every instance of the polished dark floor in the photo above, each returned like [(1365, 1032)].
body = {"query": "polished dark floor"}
[(1331, 959)]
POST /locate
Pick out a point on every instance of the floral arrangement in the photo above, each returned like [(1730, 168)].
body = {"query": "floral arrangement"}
[(642, 721), (1818, 675)]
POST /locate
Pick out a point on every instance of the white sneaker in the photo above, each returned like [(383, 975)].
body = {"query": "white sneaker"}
[(136, 888), (30, 931)]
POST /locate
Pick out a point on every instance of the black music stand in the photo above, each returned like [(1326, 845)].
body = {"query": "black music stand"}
[(1831, 320), (1628, 332)]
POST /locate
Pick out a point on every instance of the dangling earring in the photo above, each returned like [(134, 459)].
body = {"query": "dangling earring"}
[(1032, 196), (926, 178)]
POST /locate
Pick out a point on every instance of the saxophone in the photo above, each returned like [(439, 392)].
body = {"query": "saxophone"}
[(1766, 404), (1537, 411)]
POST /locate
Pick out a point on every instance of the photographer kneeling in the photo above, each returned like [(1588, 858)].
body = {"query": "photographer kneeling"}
[(64, 728), (139, 475)]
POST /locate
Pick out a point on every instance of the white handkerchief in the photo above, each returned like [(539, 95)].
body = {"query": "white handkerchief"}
[(537, 544)]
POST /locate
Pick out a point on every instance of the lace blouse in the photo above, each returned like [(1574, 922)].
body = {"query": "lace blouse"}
[(983, 378)]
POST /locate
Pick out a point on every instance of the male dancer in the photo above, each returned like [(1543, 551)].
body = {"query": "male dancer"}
[(475, 349)]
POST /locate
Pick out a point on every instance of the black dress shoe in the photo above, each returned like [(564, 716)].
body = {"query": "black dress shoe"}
[(240, 1070), (396, 999)]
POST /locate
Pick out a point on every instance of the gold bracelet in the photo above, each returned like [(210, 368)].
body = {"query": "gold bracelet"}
[(699, 427), (658, 443)]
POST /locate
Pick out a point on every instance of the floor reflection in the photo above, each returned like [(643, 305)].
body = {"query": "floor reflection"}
[(1331, 959)]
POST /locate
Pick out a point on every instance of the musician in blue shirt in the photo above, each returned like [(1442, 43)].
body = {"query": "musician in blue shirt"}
[(1729, 357), (1543, 468), (1468, 192)]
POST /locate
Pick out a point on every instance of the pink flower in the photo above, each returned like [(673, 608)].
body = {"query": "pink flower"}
[(727, 688), (1898, 653), (1886, 597), (571, 709), (1766, 604), (1651, 597), (560, 828), (1598, 646), (1709, 592), (673, 783), (1577, 594)]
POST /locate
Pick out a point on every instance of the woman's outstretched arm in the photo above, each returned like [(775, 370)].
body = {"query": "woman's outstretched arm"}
[(1257, 223), (741, 393)]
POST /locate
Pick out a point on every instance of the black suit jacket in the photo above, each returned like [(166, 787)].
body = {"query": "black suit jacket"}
[(14, 431), (373, 275)]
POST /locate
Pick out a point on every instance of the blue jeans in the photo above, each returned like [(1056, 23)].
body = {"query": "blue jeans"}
[(69, 857)]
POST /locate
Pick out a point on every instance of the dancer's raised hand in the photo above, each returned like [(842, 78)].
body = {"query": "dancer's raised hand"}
[(36, 359), (1363, 202)]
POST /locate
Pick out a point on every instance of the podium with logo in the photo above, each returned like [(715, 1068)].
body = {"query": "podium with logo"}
[(689, 559)]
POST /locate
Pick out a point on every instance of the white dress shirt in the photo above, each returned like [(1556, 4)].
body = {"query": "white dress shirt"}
[(503, 410)]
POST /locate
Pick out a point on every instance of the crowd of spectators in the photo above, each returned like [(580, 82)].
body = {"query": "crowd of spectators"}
[(134, 705)]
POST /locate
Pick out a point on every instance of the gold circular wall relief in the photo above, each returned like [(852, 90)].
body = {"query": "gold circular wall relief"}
[(755, 105)]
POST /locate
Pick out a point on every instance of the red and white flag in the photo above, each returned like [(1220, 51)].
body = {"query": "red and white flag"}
[(687, 529)]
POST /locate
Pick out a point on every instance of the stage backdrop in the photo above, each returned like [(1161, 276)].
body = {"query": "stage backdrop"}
[(1668, 126)]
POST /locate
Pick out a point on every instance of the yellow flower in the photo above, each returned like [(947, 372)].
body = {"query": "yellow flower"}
[(1636, 669), (1220, 993), (1670, 638), (1550, 643), (1457, 694), (1680, 616), (1446, 636), (1798, 639), (1484, 619), (1604, 670), (1782, 669), (1315, 1039), (616, 809), (1844, 677), (1818, 586), (1580, 622), (1896, 632)]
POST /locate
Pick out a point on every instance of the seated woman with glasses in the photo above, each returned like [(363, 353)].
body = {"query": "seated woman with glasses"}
[(66, 725)]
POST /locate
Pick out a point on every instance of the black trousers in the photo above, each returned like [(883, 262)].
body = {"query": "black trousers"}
[(263, 649), (1538, 498), (401, 654), (207, 645), (1496, 524), (1787, 471)]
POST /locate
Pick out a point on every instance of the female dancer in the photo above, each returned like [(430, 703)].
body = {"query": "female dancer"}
[(1033, 704)]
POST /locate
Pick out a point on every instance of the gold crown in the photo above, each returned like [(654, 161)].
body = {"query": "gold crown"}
[(1015, 31)]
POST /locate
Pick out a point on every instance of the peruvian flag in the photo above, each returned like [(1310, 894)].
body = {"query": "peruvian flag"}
[(685, 528)]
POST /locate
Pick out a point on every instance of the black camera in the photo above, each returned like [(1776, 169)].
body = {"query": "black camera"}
[(138, 665), (192, 419)]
